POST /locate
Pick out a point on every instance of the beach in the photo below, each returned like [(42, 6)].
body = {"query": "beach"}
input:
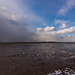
[(36, 58)]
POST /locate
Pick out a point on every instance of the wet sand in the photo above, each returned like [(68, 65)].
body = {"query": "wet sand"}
[(36, 59)]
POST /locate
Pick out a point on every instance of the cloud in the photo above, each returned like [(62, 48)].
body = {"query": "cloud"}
[(13, 28), (63, 26), (15, 22), (65, 31), (39, 29), (8, 14), (69, 38), (15, 9), (64, 23), (14, 31), (47, 29), (55, 35), (15, 25), (65, 8), (61, 22)]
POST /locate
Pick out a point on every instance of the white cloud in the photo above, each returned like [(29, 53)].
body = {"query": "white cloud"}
[(13, 9), (65, 31), (64, 23), (51, 30), (39, 29), (65, 8), (47, 29), (63, 26), (8, 14), (55, 35), (61, 22)]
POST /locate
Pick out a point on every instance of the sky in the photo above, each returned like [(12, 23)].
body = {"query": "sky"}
[(37, 20)]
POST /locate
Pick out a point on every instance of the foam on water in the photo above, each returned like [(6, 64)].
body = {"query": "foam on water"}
[(66, 71)]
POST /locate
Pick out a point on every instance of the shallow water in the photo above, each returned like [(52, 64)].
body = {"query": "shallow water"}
[(36, 59), (66, 71)]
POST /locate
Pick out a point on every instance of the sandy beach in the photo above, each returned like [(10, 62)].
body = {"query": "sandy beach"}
[(36, 59)]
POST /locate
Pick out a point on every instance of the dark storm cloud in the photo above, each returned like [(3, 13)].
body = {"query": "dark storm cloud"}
[(15, 24), (12, 31)]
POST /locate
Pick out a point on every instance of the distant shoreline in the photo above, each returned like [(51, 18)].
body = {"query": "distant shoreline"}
[(34, 42)]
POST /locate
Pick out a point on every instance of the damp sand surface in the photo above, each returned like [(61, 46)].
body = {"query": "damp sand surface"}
[(37, 59)]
